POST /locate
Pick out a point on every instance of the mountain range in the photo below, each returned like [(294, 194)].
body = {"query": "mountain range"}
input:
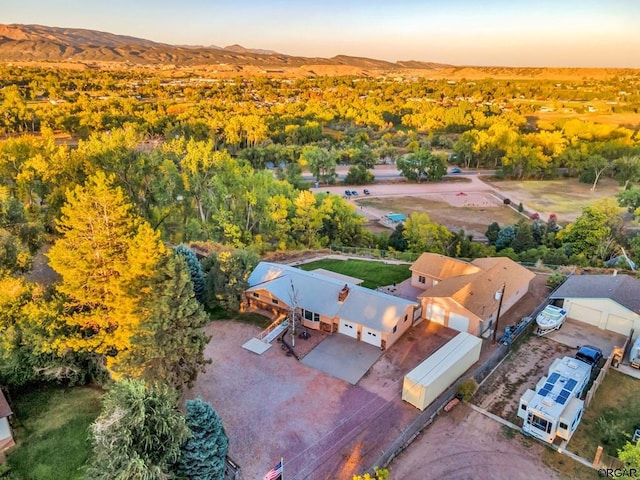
[(82, 48), (55, 44)]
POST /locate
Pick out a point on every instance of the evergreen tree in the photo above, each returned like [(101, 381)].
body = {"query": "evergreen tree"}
[(227, 278), (105, 252), (492, 232), (169, 345), (203, 455), (505, 237), (195, 270), (524, 237), (138, 433), (397, 240)]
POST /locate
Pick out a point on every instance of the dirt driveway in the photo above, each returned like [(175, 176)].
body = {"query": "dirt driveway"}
[(273, 406), (466, 445)]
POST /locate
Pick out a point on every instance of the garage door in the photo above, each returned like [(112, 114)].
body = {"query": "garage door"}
[(348, 328), (373, 337), (584, 314), (435, 313), (619, 324), (458, 322)]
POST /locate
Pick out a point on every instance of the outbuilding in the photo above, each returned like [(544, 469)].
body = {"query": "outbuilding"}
[(423, 384), (609, 302)]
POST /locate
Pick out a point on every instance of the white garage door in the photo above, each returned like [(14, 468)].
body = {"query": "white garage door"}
[(348, 328), (374, 337), (584, 314), (458, 322), (619, 324), (435, 313)]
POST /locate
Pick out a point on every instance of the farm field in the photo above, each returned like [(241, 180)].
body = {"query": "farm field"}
[(474, 220), (565, 197)]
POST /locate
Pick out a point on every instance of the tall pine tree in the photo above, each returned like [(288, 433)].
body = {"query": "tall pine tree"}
[(127, 297)]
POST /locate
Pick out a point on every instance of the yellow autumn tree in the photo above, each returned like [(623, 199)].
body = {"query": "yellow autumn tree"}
[(103, 257)]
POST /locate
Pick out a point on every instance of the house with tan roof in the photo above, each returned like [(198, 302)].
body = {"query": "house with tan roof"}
[(465, 296)]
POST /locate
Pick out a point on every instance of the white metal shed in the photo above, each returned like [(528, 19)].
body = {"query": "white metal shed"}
[(423, 384)]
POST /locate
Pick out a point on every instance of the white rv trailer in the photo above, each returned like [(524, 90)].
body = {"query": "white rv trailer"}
[(554, 408)]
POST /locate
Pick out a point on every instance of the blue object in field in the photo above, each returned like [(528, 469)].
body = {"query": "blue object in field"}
[(506, 338)]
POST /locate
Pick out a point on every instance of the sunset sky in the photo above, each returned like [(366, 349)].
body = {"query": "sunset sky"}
[(582, 33)]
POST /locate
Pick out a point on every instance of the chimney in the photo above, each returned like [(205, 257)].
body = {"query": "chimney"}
[(342, 294)]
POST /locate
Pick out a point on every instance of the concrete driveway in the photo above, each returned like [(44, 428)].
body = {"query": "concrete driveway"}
[(575, 334), (343, 357)]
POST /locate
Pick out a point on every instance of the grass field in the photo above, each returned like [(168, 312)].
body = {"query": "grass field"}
[(374, 274), (51, 429), (618, 403), (474, 220), (566, 197)]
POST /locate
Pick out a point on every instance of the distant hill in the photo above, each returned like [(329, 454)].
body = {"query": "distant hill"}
[(82, 48), (54, 44)]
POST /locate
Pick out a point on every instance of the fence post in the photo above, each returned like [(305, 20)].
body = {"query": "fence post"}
[(596, 459)]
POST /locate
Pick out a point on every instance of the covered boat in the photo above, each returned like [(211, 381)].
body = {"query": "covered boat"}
[(550, 319)]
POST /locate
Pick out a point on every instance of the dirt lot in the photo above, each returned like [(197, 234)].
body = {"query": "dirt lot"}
[(464, 444), (501, 392), (273, 406)]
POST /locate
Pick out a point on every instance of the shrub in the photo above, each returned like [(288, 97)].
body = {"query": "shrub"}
[(554, 280), (467, 388), (520, 207)]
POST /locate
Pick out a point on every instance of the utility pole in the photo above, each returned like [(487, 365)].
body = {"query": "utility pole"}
[(495, 329)]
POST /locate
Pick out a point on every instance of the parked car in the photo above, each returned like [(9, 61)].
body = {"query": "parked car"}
[(354, 193), (456, 170), (589, 354), (347, 193), (366, 192)]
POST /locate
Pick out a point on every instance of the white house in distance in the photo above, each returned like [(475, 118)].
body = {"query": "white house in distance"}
[(465, 296), (609, 302), (329, 304), (554, 408)]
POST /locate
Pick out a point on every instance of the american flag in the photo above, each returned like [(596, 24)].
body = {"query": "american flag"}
[(275, 473)]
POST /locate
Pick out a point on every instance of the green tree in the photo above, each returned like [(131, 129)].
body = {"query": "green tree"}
[(506, 236), (627, 169), (630, 199), (397, 239), (138, 433), (168, 346), (358, 175), (321, 163), (227, 277), (524, 237), (423, 235), (203, 455), (195, 270), (423, 163), (630, 455), (590, 235), (492, 232)]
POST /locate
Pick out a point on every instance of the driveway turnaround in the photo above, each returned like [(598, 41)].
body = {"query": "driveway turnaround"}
[(343, 357)]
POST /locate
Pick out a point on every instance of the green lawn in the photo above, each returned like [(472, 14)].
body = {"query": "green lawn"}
[(51, 429), (374, 274), (618, 403)]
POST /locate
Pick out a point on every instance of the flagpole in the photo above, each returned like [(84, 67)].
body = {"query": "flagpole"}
[(282, 463)]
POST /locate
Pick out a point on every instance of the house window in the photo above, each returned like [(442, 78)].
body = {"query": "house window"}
[(563, 426), (311, 316), (256, 295), (523, 407), (275, 301), (395, 329), (421, 279)]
